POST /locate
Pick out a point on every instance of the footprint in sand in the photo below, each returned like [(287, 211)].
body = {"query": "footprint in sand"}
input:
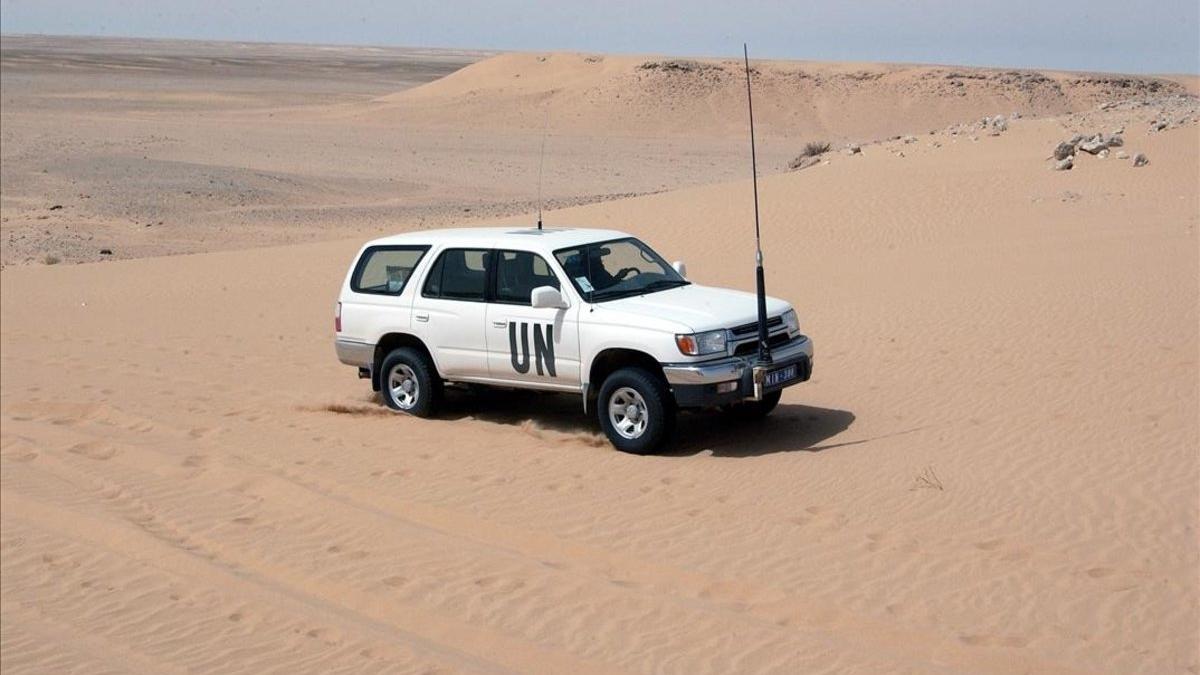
[(98, 450), (993, 640)]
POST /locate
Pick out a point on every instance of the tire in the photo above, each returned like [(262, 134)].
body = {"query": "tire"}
[(648, 420), (409, 383), (754, 410)]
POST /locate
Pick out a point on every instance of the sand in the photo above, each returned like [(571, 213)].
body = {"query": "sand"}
[(995, 468)]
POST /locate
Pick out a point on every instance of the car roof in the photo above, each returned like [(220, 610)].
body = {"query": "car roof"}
[(522, 238)]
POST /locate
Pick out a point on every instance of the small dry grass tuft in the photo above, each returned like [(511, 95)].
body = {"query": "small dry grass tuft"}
[(927, 480)]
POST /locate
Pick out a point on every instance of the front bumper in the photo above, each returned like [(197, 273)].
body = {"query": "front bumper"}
[(695, 385)]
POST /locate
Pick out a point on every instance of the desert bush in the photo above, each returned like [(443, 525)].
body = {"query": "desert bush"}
[(51, 260), (815, 148), (808, 157)]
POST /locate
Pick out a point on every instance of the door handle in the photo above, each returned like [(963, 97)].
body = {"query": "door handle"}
[(500, 324), (421, 317)]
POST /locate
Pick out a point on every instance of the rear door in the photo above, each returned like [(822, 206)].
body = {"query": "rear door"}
[(528, 345), (450, 311)]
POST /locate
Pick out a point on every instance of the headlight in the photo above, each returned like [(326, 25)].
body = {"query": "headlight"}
[(699, 344), (791, 321)]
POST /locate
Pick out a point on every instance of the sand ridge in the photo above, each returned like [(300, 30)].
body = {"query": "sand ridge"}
[(631, 95)]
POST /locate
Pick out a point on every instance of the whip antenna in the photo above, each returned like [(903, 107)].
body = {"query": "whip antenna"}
[(542, 163), (764, 349)]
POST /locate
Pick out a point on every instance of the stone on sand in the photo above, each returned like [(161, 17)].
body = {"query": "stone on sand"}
[(1064, 150)]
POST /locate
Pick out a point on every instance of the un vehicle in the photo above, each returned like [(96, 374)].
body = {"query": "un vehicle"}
[(596, 313)]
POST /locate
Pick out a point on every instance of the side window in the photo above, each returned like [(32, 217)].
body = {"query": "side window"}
[(385, 270), (518, 273), (433, 280), (458, 274)]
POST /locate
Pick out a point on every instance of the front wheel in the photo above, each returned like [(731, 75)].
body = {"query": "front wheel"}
[(636, 411), (409, 383)]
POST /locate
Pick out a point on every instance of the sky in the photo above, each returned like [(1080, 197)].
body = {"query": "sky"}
[(1162, 36)]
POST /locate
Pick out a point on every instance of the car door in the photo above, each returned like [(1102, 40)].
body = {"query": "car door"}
[(538, 346), (450, 311)]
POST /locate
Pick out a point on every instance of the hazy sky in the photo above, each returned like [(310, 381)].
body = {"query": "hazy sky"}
[(1157, 36)]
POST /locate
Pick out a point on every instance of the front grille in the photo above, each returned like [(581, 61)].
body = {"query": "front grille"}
[(752, 327), (751, 347)]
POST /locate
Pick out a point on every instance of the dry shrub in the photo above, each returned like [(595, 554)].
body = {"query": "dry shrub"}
[(815, 148)]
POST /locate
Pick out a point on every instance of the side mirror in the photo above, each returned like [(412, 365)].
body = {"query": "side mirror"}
[(547, 296), (680, 268)]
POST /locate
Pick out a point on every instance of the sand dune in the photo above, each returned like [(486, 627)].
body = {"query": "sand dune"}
[(148, 147), (832, 101), (994, 470), (162, 147)]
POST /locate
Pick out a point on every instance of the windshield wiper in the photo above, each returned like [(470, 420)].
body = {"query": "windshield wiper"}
[(663, 284), (659, 285)]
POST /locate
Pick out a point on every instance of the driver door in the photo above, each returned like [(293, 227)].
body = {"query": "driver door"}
[(527, 345)]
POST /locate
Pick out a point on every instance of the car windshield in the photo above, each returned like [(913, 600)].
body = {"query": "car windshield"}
[(616, 269)]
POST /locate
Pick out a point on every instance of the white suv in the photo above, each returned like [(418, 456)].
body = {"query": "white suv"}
[(590, 312)]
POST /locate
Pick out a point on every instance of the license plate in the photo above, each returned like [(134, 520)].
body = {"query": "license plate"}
[(778, 377)]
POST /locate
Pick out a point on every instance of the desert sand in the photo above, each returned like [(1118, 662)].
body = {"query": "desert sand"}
[(996, 468)]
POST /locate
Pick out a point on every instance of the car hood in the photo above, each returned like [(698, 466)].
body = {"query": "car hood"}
[(696, 308)]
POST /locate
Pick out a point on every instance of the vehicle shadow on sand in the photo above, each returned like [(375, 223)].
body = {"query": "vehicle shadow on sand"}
[(790, 428)]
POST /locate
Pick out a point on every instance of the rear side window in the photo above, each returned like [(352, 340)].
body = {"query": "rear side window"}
[(385, 270), (459, 274), (518, 273)]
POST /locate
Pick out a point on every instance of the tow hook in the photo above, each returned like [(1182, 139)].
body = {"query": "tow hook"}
[(759, 376)]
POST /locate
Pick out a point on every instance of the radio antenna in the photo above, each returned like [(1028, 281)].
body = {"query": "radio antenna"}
[(764, 349), (542, 163)]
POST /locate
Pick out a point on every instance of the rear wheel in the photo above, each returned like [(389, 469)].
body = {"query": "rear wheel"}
[(409, 383), (636, 411), (754, 410)]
